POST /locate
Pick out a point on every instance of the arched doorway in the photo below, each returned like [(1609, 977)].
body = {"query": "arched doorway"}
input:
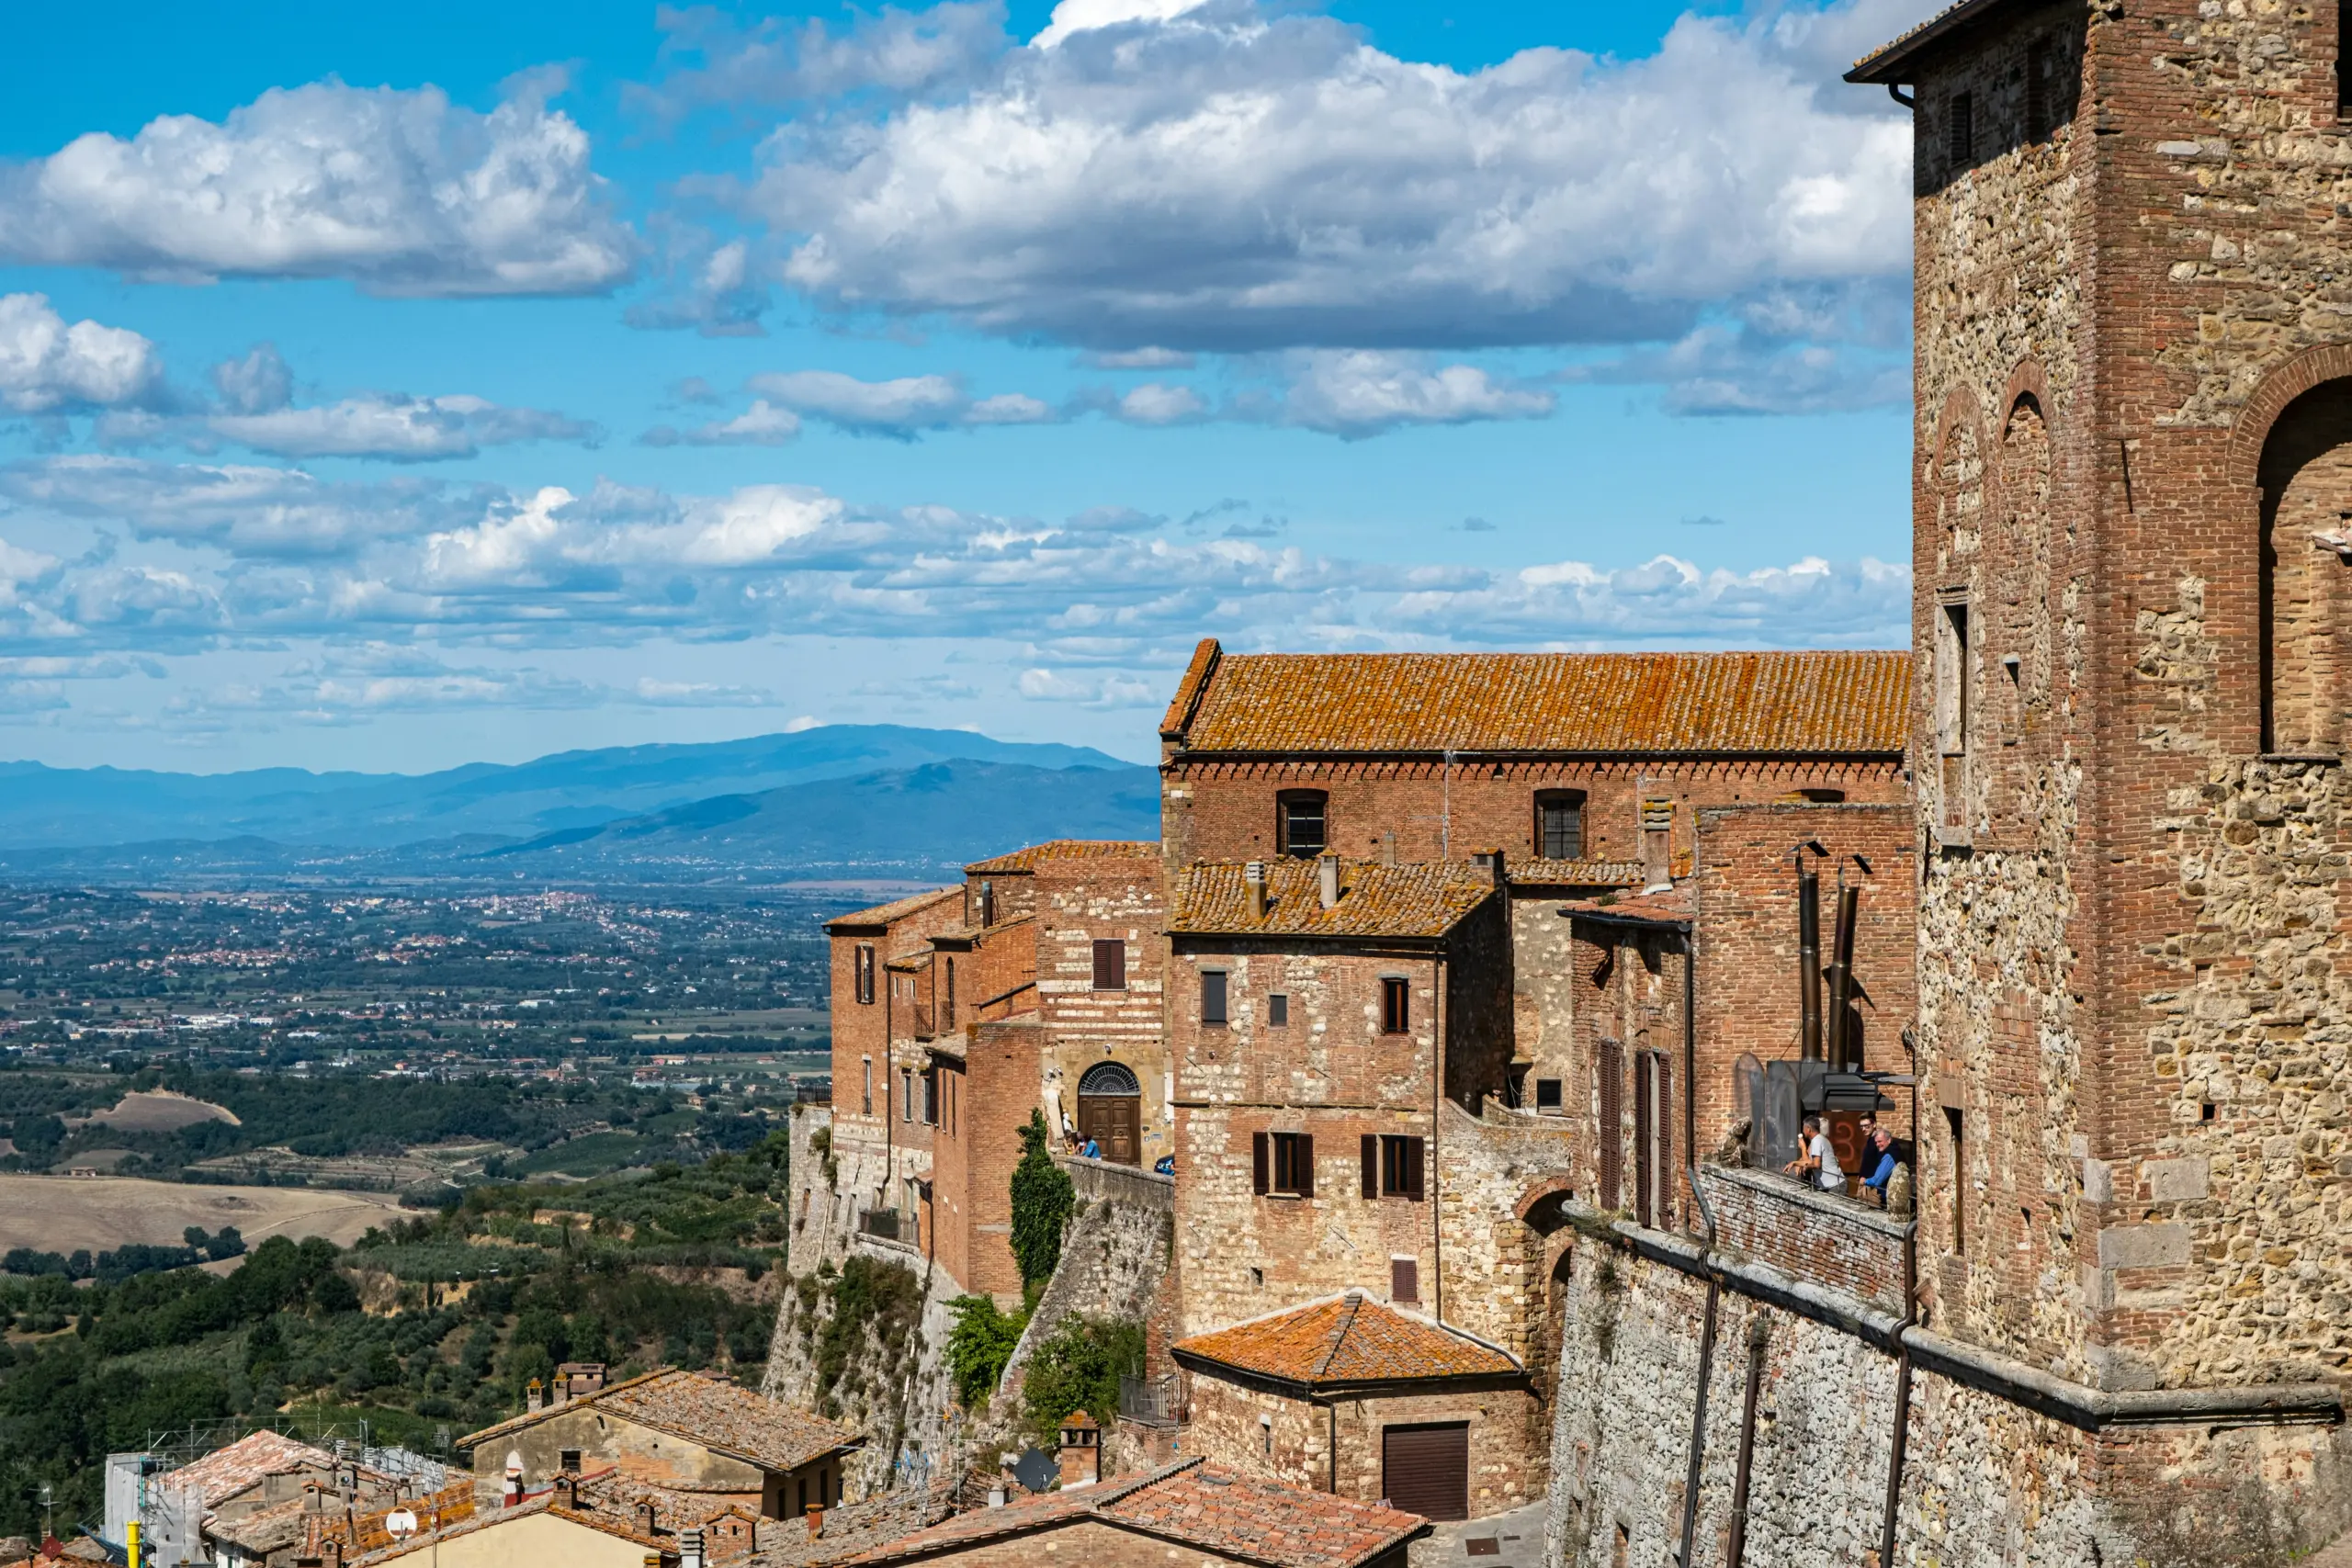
[(2306, 480), (1110, 1112)]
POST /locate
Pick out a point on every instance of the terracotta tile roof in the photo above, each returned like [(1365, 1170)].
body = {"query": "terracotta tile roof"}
[(896, 909), (716, 1414), (1576, 873), (1424, 899), (1885, 62), (854, 1529), (1599, 703), (1021, 861), (1348, 1338), (1259, 1521), (1191, 1504), (224, 1472), (265, 1530), (1672, 906), (609, 1521)]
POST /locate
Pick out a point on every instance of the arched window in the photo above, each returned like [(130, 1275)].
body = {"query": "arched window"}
[(2306, 482), (1109, 1077)]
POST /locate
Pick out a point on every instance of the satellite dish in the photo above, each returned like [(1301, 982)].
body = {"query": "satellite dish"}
[(399, 1524), (1036, 1469)]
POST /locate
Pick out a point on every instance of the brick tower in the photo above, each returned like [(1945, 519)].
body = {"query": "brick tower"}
[(2132, 541)]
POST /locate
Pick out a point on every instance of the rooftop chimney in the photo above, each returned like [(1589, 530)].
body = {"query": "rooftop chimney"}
[(816, 1518), (1254, 876), (567, 1491), (690, 1547), (1081, 1450), (646, 1519), (1326, 869), (1388, 848), (534, 1397)]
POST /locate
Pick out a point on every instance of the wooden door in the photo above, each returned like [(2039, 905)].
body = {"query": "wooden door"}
[(1115, 1123), (1426, 1470)]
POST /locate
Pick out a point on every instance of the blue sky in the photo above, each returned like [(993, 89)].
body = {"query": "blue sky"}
[(390, 390)]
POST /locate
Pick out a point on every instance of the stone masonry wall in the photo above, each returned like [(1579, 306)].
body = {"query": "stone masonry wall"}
[(1082, 901), (1986, 1483)]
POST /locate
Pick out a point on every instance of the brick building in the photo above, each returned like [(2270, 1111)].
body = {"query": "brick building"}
[(1035, 985)]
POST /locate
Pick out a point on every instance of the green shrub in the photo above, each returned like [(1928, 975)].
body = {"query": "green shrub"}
[(1079, 1368), (1043, 1199), (979, 1345)]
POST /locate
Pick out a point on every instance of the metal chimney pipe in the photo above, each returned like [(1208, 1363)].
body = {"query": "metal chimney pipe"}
[(1327, 871), (1841, 982), (1808, 965)]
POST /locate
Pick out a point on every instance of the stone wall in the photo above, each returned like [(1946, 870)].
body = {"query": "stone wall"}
[(1987, 1482), (895, 1389), (1827, 1238), (1114, 1262), (1082, 901)]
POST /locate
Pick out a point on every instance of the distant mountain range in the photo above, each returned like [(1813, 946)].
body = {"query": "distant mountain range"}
[(858, 800)]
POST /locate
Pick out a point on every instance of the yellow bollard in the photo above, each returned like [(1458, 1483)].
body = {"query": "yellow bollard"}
[(130, 1541)]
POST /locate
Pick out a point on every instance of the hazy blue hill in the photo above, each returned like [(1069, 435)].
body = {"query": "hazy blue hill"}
[(63, 808), (940, 814)]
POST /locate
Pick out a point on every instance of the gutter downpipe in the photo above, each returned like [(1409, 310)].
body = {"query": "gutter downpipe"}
[(1706, 1365), (1332, 1450), (1910, 1315), (1760, 1339)]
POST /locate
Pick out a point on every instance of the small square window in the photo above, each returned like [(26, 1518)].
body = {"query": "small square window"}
[(1277, 1010), (1548, 1096), (1111, 965), (1212, 996), (1396, 1006), (1304, 826)]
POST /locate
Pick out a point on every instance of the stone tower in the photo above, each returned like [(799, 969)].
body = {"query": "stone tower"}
[(2132, 541)]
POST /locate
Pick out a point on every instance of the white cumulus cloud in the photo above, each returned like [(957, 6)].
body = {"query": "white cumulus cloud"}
[(47, 364), (1245, 178), (1362, 392), (399, 191)]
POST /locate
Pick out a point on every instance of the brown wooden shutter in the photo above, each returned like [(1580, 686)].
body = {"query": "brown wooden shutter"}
[(1372, 1165), (1404, 1280), (1662, 1111), (1414, 1149), (1644, 1137), (1258, 1164), (1306, 1146), (1610, 1131), (1110, 965), (1426, 1470)]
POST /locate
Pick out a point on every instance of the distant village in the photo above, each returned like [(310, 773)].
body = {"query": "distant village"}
[(1603, 1108)]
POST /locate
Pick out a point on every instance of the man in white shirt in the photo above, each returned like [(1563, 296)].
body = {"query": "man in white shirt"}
[(1816, 1158)]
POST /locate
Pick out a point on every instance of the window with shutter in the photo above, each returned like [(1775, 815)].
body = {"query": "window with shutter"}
[(1111, 965), (1404, 1280), (1396, 1005), (1371, 1148), (1610, 1132), (1213, 996), (1258, 1164), (1645, 1141), (1294, 1155)]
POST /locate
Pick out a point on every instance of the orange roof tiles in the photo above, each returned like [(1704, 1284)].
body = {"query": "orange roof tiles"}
[(225, 1472), (1597, 704), (896, 909), (1577, 873), (1348, 1338), (1021, 861), (1424, 899), (1189, 1504), (1671, 906), (719, 1415)]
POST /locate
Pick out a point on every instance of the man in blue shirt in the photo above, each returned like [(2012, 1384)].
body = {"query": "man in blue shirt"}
[(1878, 1162)]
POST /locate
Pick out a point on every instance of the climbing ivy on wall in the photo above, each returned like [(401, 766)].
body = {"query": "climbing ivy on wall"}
[(1042, 1201)]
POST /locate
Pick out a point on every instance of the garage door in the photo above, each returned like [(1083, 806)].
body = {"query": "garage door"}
[(1426, 1470)]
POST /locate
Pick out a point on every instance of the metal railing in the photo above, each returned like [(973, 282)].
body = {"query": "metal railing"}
[(1149, 1401)]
